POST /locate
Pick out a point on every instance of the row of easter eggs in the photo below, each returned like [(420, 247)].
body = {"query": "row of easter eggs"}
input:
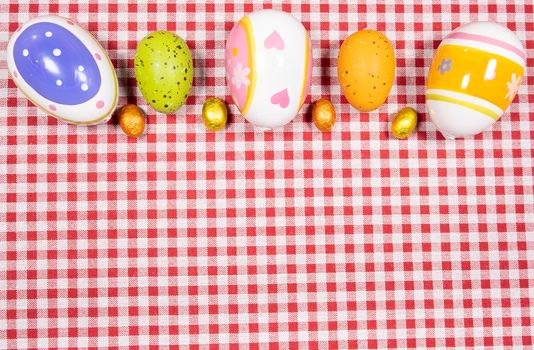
[(474, 76)]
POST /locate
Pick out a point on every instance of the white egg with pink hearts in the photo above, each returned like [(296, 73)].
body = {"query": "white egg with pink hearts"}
[(268, 67)]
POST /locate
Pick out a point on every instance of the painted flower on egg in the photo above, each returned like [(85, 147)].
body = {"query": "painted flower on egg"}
[(445, 66), (240, 75), (513, 86)]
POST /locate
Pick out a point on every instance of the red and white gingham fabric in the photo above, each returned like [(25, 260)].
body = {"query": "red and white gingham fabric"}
[(290, 239)]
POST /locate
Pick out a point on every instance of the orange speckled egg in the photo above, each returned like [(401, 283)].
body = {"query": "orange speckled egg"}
[(366, 69)]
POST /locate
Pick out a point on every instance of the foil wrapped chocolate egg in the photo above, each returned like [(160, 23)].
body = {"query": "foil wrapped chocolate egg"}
[(132, 120), (404, 123), (214, 114), (323, 115)]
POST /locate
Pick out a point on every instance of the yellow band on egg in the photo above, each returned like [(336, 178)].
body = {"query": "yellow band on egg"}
[(306, 68), (474, 72), (466, 104), (247, 27)]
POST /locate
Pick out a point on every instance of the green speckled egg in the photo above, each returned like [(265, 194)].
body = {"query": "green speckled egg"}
[(164, 70)]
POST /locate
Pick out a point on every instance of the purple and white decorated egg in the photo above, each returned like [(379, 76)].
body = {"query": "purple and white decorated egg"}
[(62, 69)]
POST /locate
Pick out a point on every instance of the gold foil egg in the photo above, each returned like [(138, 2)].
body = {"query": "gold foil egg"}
[(323, 115), (132, 120), (214, 114), (404, 123)]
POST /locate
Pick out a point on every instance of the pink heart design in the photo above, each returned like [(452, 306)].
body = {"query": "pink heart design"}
[(281, 98), (274, 40)]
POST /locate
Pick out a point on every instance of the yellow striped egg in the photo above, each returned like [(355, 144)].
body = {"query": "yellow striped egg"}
[(475, 74)]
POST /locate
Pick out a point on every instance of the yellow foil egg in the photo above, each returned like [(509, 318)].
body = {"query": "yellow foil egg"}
[(404, 123), (132, 120), (323, 115), (214, 114)]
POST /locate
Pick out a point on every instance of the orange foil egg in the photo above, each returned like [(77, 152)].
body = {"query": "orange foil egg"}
[(132, 120), (323, 115)]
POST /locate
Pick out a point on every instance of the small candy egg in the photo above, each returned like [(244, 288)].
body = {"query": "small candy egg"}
[(214, 114), (268, 67), (132, 120), (63, 70), (323, 115), (404, 123)]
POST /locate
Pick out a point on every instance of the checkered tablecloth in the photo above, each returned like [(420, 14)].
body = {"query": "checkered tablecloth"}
[(290, 239)]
